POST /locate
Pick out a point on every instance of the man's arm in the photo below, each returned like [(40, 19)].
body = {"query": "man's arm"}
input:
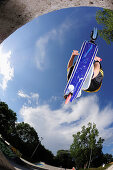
[(70, 63)]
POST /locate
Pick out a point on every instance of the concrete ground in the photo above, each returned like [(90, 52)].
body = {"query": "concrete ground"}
[(4, 163), (21, 164), (110, 168), (16, 13)]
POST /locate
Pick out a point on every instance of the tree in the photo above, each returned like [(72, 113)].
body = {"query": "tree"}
[(105, 18), (22, 136), (42, 154), (7, 120), (26, 133), (26, 139), (107, 158), (64, 159), (86, 147)]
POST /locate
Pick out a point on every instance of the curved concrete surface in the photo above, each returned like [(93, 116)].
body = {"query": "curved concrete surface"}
[(110, 168), (15, 13), (4, 163)]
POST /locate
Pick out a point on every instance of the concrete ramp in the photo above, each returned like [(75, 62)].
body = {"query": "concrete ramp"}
[(4, 163)]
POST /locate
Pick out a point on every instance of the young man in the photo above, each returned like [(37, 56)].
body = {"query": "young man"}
[(94, 79)]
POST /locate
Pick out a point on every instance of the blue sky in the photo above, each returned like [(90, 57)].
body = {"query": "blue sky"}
[(33, 77)]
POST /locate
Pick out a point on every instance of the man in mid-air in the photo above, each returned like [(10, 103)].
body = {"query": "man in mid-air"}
[(94, 79)]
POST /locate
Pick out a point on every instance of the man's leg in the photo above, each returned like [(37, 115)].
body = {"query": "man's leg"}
[(88, 79), (96, 69)]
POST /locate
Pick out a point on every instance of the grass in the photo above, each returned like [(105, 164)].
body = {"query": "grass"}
[(99, 168)]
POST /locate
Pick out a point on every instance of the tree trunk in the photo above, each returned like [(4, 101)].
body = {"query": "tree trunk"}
[(90, 158)]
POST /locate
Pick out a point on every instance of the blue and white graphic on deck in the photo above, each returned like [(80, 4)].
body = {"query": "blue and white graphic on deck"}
[(81, 69)]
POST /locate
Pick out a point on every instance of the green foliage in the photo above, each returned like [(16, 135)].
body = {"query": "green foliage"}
[(6, 150), (26, 133), (99, 168), (7, 120), (105, 19), (22, 137), (44, 155), (28, 142), (107, 158), (26, 139), (64, 159), (86, 148)]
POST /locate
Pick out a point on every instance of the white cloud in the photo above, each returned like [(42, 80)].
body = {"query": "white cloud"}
[(58, 35), (33, 97), (6, 71), (42, 42), (22, 94), (57, 126), (41, 49)]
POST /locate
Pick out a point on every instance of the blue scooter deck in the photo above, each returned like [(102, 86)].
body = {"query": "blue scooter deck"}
[(81, 69)]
